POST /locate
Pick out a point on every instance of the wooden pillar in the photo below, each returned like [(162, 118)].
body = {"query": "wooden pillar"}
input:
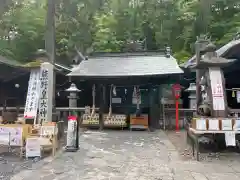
[(2, 97), (102, 90), (157, 107), (151, 108)]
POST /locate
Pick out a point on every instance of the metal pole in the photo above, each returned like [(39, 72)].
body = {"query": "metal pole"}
[(177, 115)]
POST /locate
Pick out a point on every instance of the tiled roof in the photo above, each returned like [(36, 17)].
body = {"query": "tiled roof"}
[(127, 65), (4, 60), (13, 63), (220, 52)]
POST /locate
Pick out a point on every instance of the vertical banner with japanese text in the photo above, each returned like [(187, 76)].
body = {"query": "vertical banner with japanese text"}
[(217, 89), (46, 93), (32, 98)]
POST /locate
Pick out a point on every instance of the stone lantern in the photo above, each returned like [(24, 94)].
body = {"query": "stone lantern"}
[(73, 90), (73, 120), (192, 96)]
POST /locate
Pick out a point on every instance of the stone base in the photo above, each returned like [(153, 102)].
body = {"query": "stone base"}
[(71, 149)]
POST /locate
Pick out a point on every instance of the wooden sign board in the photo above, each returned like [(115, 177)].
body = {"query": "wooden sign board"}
[(12, 134), (213, 125), (227, 124), (33, 147), (201, 124), (48, 130)]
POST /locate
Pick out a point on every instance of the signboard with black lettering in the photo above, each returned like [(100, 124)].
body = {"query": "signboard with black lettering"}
[(43, 106), (46, 93), (32, 99)]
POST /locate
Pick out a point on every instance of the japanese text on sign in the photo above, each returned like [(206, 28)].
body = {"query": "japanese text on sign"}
[(43, 103), (31, 105), (12, 134), (217, 89)]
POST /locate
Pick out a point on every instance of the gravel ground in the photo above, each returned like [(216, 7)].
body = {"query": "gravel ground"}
[(179, 140), (125, 155), (11, 163)]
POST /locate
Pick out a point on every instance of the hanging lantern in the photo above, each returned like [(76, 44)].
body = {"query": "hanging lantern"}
[(233, 94)]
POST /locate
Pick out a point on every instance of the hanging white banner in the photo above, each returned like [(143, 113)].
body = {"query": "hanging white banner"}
[(217, 88), (32, 98), (238, 96)]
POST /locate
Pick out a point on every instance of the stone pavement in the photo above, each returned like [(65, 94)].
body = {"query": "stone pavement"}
[(125, 155)]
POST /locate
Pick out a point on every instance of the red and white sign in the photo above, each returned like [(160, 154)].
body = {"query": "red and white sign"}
[(72, 122), (217, 90), (72, 118)]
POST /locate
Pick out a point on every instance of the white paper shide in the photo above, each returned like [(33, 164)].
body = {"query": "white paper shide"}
[(213, 124), (201, 124), (227, 124), (230, 138), (238, 96)]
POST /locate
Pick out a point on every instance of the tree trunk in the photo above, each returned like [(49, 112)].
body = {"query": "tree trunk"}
[(50, 38)]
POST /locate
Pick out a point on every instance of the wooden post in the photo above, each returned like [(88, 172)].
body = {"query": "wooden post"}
[(200, 45), (50, 41), (151, 109), (102, 89), (198, 76)]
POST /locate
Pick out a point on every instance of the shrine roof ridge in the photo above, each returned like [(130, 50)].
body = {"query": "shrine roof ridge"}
[(126, 54), (127, 64), (223, 51)]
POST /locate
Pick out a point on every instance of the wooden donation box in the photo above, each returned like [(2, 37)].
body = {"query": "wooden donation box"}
[(140, 122), (115, 120), (90, 118)]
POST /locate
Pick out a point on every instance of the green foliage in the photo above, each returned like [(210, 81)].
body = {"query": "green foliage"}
[(182, 56), (108, 25)]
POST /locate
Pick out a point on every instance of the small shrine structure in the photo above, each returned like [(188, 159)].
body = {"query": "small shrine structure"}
[(126, 87)]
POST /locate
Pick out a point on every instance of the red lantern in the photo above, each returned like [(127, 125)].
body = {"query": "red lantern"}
[(176, 89)]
